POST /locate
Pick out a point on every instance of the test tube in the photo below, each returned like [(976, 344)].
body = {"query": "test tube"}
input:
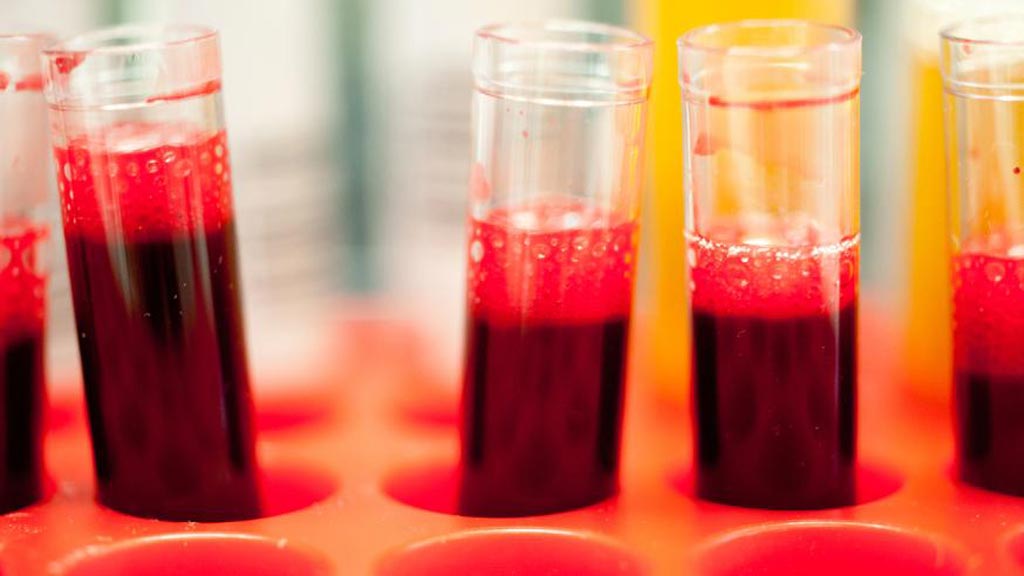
[(771, 161), (555, 189), (982, 64), (24, 189), (144, 178)]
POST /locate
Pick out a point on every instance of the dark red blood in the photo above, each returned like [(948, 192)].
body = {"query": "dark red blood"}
[(988, 370), (550, 294), (774, 374), (153, 264), (22, 380)]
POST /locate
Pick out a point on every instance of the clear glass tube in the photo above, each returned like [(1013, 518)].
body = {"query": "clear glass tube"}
[(144, 176), (771, 162), (555, 191), (24, 190), (983, 75)]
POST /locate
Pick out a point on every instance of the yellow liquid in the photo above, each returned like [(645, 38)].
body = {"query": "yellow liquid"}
[(928, 336), (665, 21)]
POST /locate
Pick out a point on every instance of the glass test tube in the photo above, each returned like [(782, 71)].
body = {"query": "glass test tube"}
[(24, 189), (772, 239), (555, 191), (144, 178), (983, 72), (669, 324)]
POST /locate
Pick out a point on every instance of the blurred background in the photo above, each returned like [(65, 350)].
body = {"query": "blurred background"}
[(349, 123)]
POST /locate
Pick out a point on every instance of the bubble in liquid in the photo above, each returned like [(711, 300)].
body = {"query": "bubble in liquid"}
[(476, 251), (498, 242), (580, 243), (152, 167), (541, 251), (131, 169), (181, 168), (67, 171), (995, 272)]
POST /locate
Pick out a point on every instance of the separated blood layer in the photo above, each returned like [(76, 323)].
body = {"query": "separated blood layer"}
[(774, 371), (989, 369), (550, 288), (22, 382), (155, 280)]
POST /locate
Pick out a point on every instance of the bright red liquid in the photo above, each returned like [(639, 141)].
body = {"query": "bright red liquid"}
[(22, 380), (549, 304), (774, 373), (155, 280), (989, 370)]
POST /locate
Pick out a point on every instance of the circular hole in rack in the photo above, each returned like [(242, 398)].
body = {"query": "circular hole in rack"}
[(511, 552), (292, 414), (291, 488), (175, 554), (433, 487), (834, 548), (873, 483), (1015, 548)]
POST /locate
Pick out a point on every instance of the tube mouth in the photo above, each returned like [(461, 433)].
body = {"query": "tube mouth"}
[(563, 62), (566, 35), (1000, 30), (768, 62), (131, 39), (770, 38), (984, 57), (132, 65)]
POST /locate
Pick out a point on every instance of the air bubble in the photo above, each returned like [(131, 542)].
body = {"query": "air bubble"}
[(541, 251), (580, 243), (995, 272), (218, 150), (131, 169), (476, 251), (498, 243), (169, 156), (218, 168), (599, 249), (67, 171), (204, 158), (152, 166)]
